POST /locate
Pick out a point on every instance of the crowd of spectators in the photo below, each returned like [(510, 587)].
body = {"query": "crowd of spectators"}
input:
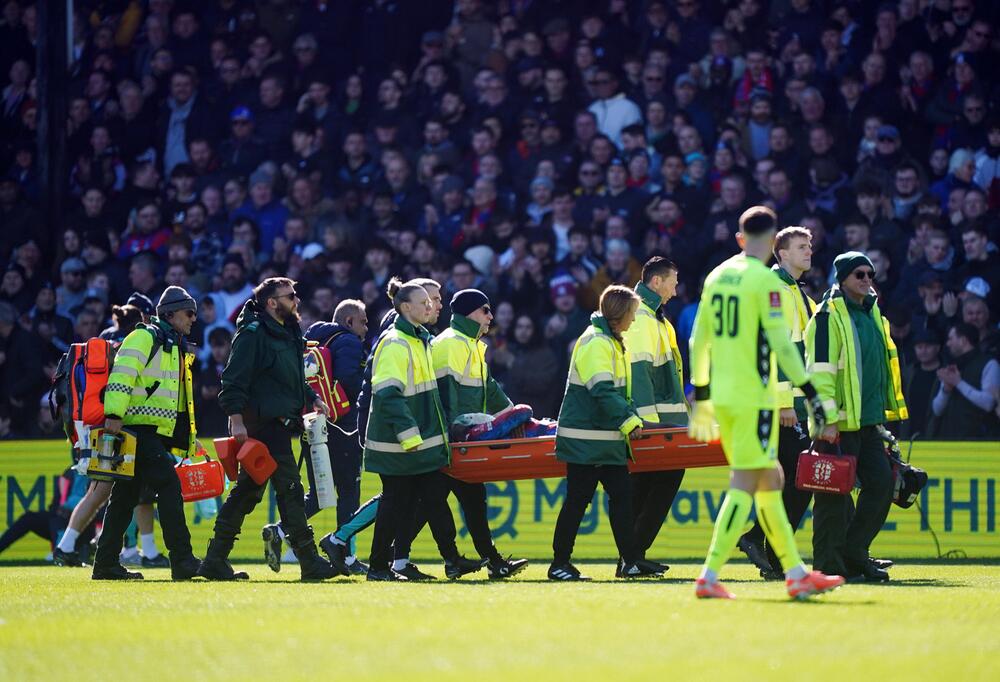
[(536, 149)]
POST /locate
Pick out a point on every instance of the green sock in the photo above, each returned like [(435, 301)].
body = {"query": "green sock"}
[(774, 521), (728, 527)]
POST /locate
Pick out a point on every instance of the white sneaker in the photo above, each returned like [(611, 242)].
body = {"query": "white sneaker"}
[(130, 557)]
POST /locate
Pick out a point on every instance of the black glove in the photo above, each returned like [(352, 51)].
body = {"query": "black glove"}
[(815, 406)]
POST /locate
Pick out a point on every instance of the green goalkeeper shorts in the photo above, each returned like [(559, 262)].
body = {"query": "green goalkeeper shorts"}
[(749, 437)]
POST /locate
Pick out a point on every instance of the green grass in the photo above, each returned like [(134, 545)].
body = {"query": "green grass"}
[(933, 621)]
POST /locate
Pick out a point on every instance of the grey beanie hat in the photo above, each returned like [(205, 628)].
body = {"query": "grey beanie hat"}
[(173, 299)]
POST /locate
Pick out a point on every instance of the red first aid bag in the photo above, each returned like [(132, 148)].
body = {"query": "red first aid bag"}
[(202, 480), (825, 473), (319, 375)]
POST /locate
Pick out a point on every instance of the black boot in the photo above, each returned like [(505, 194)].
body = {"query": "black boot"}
[(216, 566), (116, 572), (313, 566), (184, 569)]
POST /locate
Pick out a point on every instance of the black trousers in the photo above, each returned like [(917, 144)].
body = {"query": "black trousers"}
[(400, 497), (246, 494), (154, 466), (345, 461), (45, 524), (581, 483), (840, 541), (653, 494), (791, 441), (472, 498)]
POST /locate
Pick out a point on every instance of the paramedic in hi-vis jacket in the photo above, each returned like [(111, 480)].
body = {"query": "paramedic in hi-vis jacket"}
[(149, 391)]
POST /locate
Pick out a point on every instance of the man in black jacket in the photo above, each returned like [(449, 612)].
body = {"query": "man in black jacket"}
[(344, 336), (263, 392)]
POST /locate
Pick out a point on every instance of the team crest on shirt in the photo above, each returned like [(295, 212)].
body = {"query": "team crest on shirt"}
[(775, 299)]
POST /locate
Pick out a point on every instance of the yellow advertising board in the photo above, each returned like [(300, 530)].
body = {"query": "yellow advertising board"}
[(956, 516)]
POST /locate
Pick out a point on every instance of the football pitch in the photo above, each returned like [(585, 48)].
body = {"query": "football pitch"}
[(933, 621)]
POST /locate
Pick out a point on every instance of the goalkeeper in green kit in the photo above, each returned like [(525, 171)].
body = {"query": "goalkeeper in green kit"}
[(740, 336)]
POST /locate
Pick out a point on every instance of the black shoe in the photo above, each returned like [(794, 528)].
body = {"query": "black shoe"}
[(755, 553), (61, 558), (337, 554), (414, 574), (460, 566), (184, 569), (314, 567), (386, 576), (158, 561), (357, 567), (868, 573), (219, 569), (884, 564), (272, 546), (640, 568), (116, 572), (660, 567), (772, 575), (566, 572), (501, 568)]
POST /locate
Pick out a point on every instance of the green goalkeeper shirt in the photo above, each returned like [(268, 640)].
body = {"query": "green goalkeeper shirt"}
[(740, 331)]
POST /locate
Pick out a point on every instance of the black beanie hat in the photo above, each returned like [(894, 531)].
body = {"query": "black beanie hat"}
[(846, 263), (467, 301), (174, 299)]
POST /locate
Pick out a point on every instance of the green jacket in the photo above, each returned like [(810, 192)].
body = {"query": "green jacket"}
[(150, 385), (800, 309), (265, 375), (406, 432), (597, 413), (463, 377), (657, 382), (832, 358)]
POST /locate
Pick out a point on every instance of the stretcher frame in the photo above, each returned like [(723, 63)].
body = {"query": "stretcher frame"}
[(518, 459)]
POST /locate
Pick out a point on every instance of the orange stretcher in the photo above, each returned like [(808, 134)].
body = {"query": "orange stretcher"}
[(527, 458)]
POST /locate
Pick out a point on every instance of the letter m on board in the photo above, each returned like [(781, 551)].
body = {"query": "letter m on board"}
[(14, 491)]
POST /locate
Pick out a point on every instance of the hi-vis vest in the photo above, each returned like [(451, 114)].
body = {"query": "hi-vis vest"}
[(657, 382), (406, 431), (799, 310), (151, 391), (597, 413), (832, 360), (464, 379)]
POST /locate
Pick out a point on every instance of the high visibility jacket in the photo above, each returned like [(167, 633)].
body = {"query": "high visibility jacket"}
[(463, 378), (406, 409), (153, 391), (832, 359), (657, 381), (799, 309), (597, 412)]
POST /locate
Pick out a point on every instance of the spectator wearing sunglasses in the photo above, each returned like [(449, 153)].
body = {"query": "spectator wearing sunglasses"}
[(855, 368)]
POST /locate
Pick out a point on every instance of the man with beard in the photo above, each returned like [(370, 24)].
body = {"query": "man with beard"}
[(264, 392)]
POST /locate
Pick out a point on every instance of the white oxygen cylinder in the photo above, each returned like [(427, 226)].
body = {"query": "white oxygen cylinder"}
[(319, 454)]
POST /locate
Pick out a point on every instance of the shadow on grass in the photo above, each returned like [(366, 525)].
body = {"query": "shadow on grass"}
[(917, 582)]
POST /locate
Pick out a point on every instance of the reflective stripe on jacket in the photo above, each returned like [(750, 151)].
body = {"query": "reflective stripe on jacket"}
[(150, 391), (597, 413), (800, 309), (464, 380), (657, 381), (406, 432), (832, 359)]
